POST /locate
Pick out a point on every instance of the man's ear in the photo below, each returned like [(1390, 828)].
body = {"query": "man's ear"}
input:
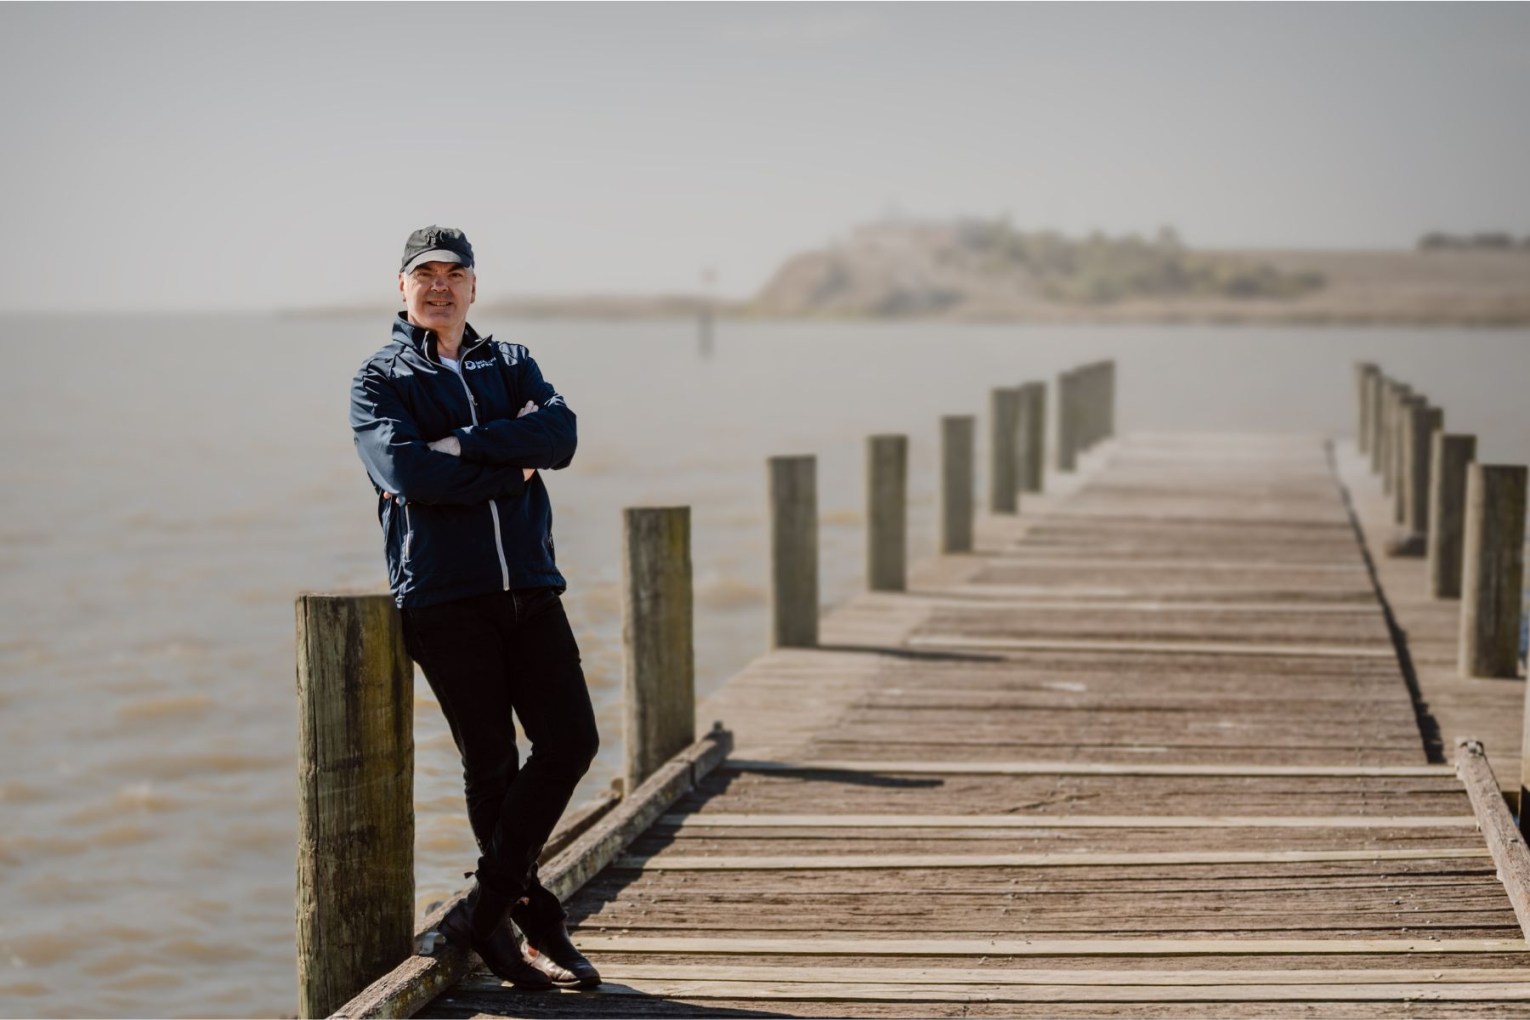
[(474, 295), (401, 295)]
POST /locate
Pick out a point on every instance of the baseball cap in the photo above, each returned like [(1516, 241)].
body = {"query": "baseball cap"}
[(437, 244)]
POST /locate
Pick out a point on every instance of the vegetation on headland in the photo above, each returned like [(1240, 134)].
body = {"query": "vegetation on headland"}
[(1493, 240)]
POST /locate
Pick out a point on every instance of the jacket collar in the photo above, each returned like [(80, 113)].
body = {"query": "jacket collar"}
[(423, 340)]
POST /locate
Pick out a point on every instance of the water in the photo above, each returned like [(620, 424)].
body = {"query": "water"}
[(170, 484)]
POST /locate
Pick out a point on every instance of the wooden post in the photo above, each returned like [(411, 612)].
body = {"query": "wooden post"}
[(1402, 445), (659, 659), (1033, 436), (886, 513), (794, 552), (1377, 389), (1089, 406), (1108, 425), (1363, 372), (1424, 422), (355, 859), (1004, 406), (1449, 457), (1067, 421), (1383, 429), (1492, 577), (956, 457)]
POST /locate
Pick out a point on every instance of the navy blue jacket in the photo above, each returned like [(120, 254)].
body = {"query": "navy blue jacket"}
[(469, 525)]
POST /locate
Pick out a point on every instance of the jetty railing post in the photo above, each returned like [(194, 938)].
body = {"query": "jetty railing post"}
[(1424, 423), (1375, 392), (794, 552), (1093, 402), (1492, 574), (1383, 429), (887, 513), (1402, 444), (956, 482), (1033, 436), (1003, 486), (1449, 457), (1108, 400), (1067, 421), (355, 859), (659, 674), (1364, 370)]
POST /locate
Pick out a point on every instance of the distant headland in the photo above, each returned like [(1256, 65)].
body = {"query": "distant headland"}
[(976, 270)]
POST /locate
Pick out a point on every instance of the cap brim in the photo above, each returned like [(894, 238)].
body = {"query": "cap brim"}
[(434, 255)]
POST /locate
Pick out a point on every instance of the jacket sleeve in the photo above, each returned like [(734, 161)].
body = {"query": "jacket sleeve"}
[(400, 461), (543, 439)]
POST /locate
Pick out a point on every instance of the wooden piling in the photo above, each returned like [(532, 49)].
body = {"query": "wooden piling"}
[(1067, 421), (1364, 370), (1424, 421), (1492, 575), (1108, 409), (1033, 436), (1402, 447), (793, 552), (956, 478), (887, 513), (1377, 387), (355, 853), (1384, 395), (1003, 486), (659, 660), (1449, 457)]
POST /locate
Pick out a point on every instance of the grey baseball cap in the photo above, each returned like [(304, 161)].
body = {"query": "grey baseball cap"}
[(437, 244)]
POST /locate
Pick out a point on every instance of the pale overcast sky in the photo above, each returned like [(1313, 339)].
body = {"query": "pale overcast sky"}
[(260, 156)]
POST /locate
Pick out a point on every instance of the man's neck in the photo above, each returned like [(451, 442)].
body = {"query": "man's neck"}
[(447, 347)]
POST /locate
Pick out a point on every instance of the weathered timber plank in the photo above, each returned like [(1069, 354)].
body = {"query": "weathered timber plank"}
[(664, 862), (927, 640), (1015, 768), (718, 819), (1502, 835), (1114, 976), (1046, 947)]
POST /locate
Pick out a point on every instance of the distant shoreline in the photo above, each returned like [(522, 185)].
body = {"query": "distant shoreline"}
[(1462, 288)]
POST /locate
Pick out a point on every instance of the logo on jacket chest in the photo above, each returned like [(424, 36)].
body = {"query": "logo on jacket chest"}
[(478, 364)]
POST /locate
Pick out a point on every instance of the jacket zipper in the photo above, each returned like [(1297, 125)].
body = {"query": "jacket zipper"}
[(499, 540)]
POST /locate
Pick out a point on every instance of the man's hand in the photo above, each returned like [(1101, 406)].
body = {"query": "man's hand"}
[(451, 445), (530, 408)]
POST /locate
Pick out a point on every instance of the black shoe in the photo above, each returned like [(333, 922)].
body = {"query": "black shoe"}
[(501, 952), (551, 945)]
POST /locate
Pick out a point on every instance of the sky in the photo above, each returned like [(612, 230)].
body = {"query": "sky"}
[(250, 157)]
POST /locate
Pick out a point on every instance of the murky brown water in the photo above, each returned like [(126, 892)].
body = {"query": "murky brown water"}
[(170, 485)]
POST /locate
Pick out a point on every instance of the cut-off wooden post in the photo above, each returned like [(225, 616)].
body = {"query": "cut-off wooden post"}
[(1377, 391), (1033, 436), (659, 678), (1004, 404), (1383, 428), (1492, 575), (956, 482), (1093, 405), (355, 860), (1363, 372), (1110, 401), (1067, 421), (794, 552), (1449, 457), (887, 513), (1402, 443), (1422, 426)]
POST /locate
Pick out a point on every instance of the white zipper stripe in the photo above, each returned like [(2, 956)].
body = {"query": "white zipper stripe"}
[(499, 540)]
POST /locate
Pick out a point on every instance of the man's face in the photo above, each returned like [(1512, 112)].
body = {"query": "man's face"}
[(437, 295)]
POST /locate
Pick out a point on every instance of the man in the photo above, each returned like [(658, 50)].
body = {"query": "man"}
[(454, 429)]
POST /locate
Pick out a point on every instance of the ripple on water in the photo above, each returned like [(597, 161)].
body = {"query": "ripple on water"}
[(180, 708), (131, 800), (196, 764)]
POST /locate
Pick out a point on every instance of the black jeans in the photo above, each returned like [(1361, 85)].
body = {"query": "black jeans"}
[(484, 657)]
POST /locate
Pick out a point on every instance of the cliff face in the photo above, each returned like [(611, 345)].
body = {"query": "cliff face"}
[(986, 270)]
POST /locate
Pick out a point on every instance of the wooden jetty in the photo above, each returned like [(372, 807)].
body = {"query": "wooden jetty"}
[(1147, 750)]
